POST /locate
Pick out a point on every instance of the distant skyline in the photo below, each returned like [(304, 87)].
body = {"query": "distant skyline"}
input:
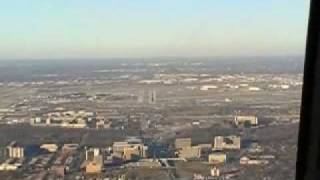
[(49, 29)]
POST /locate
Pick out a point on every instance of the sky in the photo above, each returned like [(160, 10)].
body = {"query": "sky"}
[(46, 29)]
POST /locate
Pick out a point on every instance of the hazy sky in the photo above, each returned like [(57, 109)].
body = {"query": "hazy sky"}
[(150, 28)]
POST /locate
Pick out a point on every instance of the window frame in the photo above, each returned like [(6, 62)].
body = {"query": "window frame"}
[(308, 154)]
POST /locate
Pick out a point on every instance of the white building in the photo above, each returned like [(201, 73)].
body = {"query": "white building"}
[(15, 151), (252, 161), (49, 147), (208, 87), (253, 120), (215, 172)]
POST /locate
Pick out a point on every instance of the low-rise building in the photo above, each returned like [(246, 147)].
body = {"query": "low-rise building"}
[(208, 87), (252, 161), (242, 120), (66, 119), (182, 143), (129, 151), (69, 148), (95, 166), (11, 165), (192, 152), (50, 147), (217, 158), (118, 147), (227, 142)]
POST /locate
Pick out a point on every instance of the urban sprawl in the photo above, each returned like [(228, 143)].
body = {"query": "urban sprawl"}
[(157, 120)]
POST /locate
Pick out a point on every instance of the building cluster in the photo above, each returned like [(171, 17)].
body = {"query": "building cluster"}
[(58, 160), (220, 151), (15, 154), (67, 119), (209, 82), (128, 151), (185, 149), (214, 174)]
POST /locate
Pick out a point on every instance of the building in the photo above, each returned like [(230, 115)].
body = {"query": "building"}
[(69, 148), (191, 152), (95, 166), (102, 124), (50, 147), (65, 119), (242, 120), (15, 151), (182, 143), (132, 153), (217, 158), (11, 165), (254, 89), (135, 151), (205, 148), (152, 97), (215, 172), (228, 143), (119, 146), (129, 151), (253, 161), (92, 152), (208, 87)]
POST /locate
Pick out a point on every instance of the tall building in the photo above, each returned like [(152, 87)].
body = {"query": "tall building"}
[(141, 97), (15, 151), (91, 153), (152, 97)]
